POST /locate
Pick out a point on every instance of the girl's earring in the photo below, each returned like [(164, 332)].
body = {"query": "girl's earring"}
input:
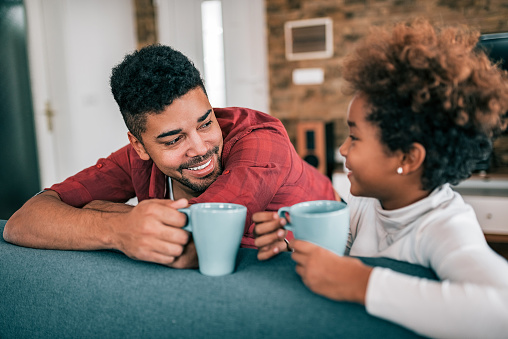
[(400, 170)]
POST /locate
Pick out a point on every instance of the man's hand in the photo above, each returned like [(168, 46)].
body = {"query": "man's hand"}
[(151, 231), (269, 233), (330, 275)]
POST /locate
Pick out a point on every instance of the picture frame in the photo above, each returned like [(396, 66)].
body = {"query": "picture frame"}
[(309, 39)]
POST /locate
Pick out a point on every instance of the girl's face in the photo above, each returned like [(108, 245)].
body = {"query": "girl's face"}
[(372, 167)]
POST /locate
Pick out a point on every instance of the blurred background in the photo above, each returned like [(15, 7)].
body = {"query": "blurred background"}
[(282, 57)]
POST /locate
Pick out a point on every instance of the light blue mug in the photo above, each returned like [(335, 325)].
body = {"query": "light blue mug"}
[(217, 230), (323, 222)]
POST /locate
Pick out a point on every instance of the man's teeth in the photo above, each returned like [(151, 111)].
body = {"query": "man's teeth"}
[(200, 167)]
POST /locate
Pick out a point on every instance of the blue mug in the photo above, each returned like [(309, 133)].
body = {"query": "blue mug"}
[(217, 230), (323, 222)]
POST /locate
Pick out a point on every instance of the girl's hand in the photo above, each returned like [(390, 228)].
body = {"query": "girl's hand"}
[(330, 275), (270, 234)]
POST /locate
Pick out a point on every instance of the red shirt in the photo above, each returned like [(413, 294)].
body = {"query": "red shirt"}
[(262, 171)]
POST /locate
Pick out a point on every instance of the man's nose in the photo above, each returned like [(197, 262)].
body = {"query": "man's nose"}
[(197, 145)]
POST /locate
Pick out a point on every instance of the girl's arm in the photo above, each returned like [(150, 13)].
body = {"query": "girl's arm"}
[(440, 309), (471, 302)]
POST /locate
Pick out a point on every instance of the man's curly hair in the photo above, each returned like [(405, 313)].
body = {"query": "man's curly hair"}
[(149, 80), (431, 86)]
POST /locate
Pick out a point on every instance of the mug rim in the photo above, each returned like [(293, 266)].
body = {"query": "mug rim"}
[(212, 207), (343, 206)]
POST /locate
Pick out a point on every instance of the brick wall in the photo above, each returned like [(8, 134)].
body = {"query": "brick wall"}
[(351, 21)]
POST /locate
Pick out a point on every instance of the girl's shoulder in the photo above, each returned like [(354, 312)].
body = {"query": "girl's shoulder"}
[(447, 210)]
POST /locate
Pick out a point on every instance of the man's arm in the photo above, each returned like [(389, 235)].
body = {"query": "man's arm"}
[(107, 206), (149, 231)]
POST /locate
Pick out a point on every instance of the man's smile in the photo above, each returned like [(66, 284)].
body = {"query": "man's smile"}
[(197, 163), (201, 171), (200, 167)]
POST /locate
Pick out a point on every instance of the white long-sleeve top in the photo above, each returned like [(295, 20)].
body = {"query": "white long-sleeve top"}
[(440, 232)]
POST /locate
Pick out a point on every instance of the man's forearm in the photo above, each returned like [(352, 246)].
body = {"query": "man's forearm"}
[(150, 231), (47, 222), (107, 206)]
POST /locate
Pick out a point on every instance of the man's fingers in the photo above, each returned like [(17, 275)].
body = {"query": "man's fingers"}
[(167, 248), (172, 217), (268, 227), (269, 238), (160, 211), (151, 255), (173, 235), (159, 258), (166, 211), (188, 259), (269, 251), (266, 253), (180, 203), (264, 216)]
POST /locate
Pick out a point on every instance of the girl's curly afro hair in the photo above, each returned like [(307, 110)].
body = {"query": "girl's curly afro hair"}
[(434, 87)]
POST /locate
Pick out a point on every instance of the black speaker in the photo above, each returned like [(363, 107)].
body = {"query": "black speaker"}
[(315, 144)]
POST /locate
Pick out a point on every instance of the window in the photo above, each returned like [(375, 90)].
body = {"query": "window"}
[(213, 52)]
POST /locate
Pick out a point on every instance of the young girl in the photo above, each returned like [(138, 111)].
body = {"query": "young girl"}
[(426, 105)]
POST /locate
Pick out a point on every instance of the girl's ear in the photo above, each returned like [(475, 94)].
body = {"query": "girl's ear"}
[(138, 146), (413, 160)]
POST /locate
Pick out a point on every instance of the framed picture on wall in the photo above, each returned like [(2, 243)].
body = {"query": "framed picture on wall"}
[(309, 39)]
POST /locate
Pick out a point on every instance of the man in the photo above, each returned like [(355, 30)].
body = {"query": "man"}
[(181, 151)]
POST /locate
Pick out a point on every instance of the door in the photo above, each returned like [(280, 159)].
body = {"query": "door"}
[(73, 45), (19, 173)]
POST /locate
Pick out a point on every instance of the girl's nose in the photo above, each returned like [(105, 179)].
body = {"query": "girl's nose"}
[(344, 147)]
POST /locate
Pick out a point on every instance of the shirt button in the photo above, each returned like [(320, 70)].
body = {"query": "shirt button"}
[(99, 166)]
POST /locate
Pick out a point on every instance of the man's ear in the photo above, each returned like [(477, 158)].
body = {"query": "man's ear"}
[(413, 160), (138, 146)]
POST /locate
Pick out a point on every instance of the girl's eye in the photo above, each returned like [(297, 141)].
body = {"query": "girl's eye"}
[(353, 138)]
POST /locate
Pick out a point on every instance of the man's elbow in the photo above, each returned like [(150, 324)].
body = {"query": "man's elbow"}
[(14, 228), (10, 230), (19, 228)]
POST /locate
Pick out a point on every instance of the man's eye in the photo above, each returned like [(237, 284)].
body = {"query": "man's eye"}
[(206, 124), (172, 142)]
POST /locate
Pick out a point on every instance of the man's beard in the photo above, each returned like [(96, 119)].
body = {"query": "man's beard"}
[(200, 186)]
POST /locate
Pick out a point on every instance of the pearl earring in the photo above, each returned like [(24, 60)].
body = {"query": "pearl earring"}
[(400, 170)]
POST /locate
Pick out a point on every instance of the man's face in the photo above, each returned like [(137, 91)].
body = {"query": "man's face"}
[(185, 142)]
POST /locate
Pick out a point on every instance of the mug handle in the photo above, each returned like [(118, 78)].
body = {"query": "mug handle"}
[(282, 214), (188, 226)]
